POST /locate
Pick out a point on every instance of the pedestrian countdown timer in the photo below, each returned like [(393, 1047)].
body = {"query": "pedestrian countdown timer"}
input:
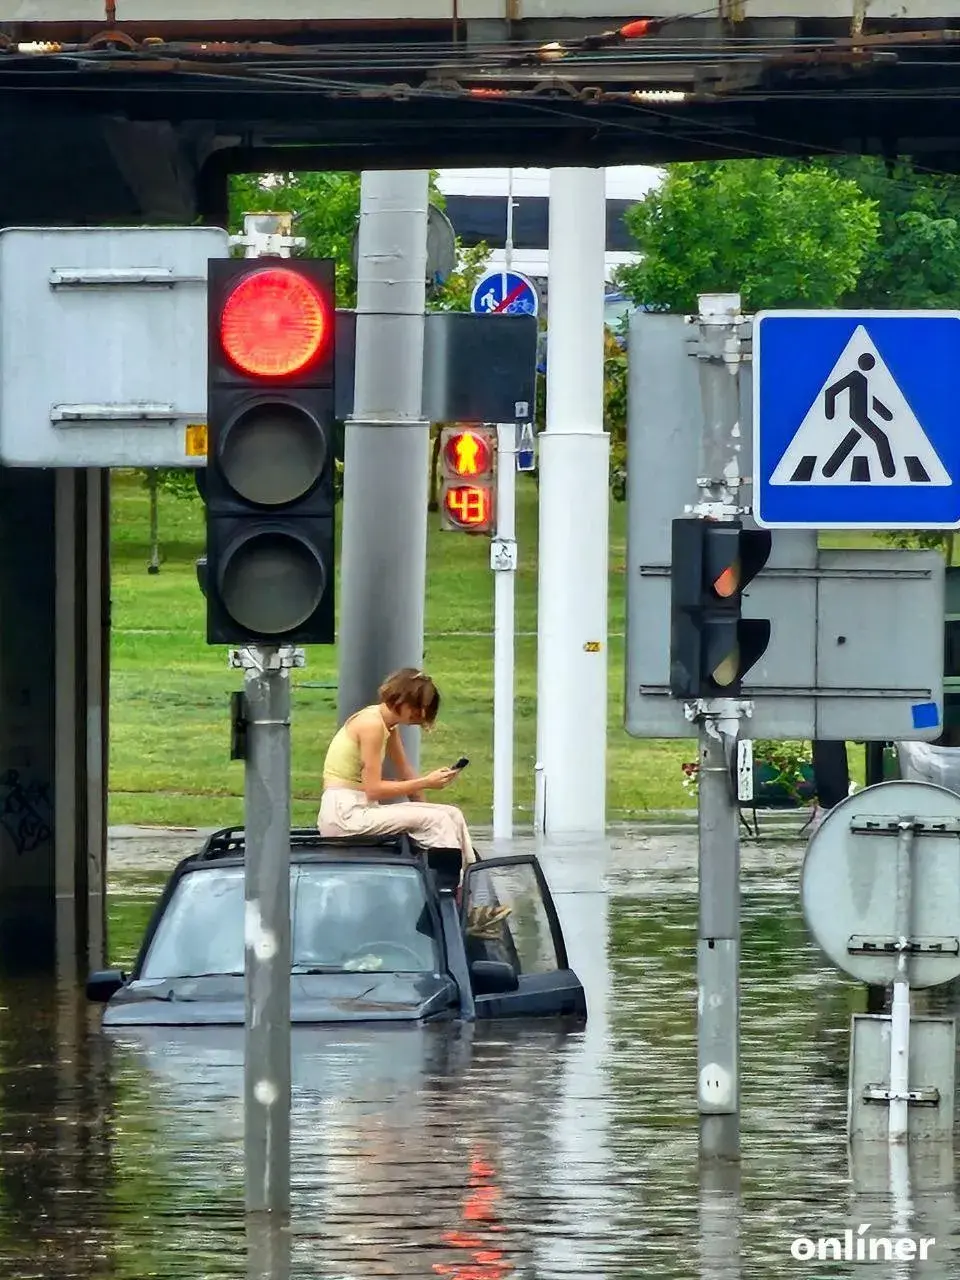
[(468, 476)]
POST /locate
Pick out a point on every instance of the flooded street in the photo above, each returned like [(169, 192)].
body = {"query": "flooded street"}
[(486, 1153)]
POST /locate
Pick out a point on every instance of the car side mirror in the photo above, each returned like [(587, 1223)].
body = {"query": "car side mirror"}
[(493, 977), (104, 983)]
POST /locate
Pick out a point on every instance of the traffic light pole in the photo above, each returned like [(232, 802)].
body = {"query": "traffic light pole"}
[(719, 719), (266, 1059), (267, 1055)]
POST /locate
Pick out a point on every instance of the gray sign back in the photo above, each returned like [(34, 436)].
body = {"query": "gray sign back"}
[(857, 637)]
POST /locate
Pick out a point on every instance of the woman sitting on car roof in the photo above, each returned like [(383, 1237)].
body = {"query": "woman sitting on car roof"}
[(353, 783)]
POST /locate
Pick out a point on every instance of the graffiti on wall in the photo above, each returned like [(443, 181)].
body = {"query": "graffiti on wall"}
[(26, 811)]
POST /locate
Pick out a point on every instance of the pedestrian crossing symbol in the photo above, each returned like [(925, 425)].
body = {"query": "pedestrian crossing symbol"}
[(860, 429), (856, 420)]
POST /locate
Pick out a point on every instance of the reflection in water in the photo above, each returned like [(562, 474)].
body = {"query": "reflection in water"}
[(483, 1152)]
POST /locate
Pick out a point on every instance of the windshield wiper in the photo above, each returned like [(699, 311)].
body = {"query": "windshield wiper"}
[(300, 969)]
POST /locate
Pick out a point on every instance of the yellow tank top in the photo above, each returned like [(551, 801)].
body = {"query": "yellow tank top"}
[(343, 764)]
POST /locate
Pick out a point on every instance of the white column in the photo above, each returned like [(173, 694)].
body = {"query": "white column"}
[(574, 511)]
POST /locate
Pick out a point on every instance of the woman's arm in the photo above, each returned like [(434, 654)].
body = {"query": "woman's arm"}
[(370, 738), (398, 755)]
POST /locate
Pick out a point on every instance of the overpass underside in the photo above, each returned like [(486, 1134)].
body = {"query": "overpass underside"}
[(136, 112)]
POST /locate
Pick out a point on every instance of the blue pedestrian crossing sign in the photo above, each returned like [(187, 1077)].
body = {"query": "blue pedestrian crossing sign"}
[(506, 293), (855, 419)]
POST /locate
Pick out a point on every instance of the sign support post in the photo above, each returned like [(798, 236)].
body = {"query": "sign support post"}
[(503, 562), (718, 720), (502, 293)]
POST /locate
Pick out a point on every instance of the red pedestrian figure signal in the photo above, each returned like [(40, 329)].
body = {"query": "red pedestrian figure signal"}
[(468, 454)]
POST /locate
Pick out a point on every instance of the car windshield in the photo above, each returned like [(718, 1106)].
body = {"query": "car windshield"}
[(345, 917)]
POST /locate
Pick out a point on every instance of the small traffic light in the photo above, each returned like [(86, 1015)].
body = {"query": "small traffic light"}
[(468, 463), (712, 646), (269, 484)]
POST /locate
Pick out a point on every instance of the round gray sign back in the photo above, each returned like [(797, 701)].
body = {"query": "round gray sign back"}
[(848, 883)]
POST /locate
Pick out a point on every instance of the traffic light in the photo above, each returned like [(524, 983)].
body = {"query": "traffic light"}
[(711, 646), (269, 484), (468, 464)]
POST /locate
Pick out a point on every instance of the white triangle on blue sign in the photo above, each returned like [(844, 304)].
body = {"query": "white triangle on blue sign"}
[(860, 430)]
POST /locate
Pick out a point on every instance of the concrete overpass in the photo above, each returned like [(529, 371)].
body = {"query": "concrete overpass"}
[(130, 111)]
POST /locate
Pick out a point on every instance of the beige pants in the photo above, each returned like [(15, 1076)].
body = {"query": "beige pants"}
[(438, 826)]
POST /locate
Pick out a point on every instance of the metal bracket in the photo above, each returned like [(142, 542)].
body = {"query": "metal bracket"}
[(744, 770), (914, 1097), (860, 945), (503, 555), (251, 659), (888, 825), (79, 414), (238, 726), (717, 709), (269, 245), (715, 510), (99, 277)]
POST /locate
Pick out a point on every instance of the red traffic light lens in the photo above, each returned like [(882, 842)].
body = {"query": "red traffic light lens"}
[(468, 506), (274, 323), (467, 454)]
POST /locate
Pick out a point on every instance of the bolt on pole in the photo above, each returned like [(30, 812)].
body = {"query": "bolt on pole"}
[(718, 940), (267, 1066)]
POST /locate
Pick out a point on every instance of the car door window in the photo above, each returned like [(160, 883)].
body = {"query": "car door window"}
[(524, 938)]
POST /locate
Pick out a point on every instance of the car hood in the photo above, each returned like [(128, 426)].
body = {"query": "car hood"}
[(218, 1000)]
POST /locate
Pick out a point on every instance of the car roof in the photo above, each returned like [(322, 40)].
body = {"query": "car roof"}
[(227, 847)]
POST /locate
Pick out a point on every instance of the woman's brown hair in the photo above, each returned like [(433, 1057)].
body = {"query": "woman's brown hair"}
[(409, 687)]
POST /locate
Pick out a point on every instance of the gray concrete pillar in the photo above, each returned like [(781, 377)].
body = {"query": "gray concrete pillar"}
[(54, 646)]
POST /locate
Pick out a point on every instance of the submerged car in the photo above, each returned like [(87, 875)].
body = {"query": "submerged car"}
[(377, 934)]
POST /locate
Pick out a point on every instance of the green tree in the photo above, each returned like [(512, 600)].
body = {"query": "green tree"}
[(615, 411), (914, 263), (327, 206), (779, 233), (915, 260)]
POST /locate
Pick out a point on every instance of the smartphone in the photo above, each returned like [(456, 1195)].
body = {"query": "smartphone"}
[(461, 763)]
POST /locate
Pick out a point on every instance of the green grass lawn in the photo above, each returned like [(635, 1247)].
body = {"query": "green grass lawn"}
[(169, 711)]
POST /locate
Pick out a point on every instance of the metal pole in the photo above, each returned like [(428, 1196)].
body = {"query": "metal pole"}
[(718, 942), (266, 1061), (383, 562), (900, 1010), (503, 562), (154, 565), (267, 930), (574, 518)]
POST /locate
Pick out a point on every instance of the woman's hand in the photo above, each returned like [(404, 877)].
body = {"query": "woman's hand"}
[(439, 779)]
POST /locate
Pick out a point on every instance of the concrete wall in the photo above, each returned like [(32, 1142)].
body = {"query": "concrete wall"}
[(53, 678)]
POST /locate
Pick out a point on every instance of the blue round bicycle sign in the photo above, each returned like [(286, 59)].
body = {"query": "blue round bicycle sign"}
[(505, 293)]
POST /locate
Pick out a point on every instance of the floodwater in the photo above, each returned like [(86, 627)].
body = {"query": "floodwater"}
[(483, 1153)]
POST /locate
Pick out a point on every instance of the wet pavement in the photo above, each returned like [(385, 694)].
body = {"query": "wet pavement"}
[(485, 1153)]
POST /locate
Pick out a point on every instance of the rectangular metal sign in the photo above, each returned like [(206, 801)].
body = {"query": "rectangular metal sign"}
[(103, 358), (103, 350), (856, 651)]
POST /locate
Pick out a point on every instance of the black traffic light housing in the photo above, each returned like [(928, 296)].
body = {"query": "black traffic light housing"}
[(711, 646), (269, 481)]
